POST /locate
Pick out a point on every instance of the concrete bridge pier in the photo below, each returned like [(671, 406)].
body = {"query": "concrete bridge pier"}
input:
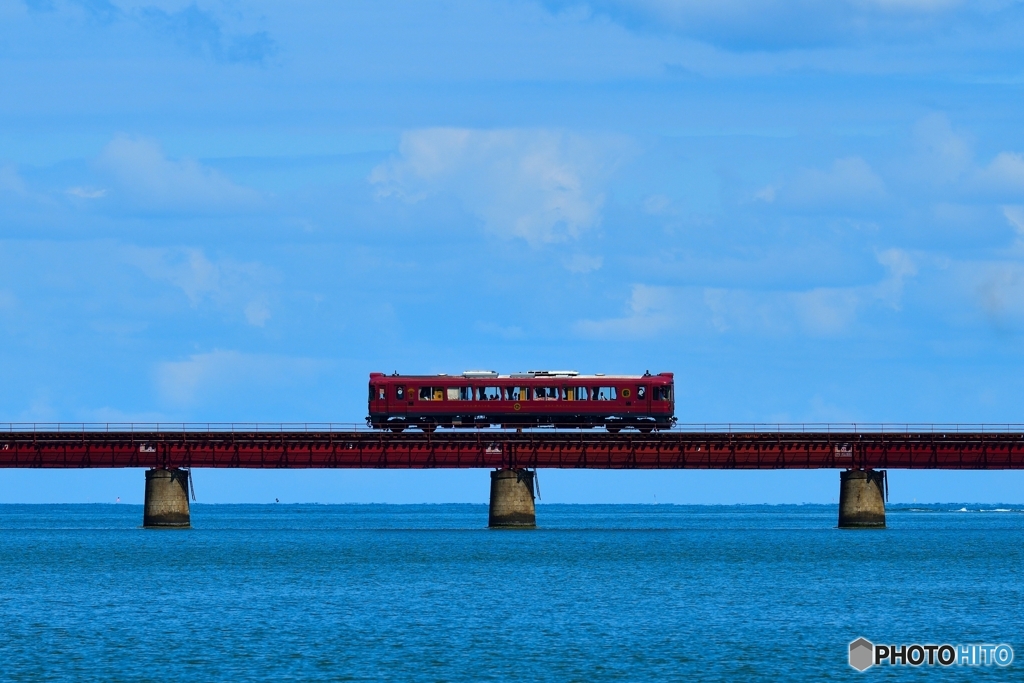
[(862, 495), (512, 504), (166, 504)]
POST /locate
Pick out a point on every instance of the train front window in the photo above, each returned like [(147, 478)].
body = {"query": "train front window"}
[(662, 393)]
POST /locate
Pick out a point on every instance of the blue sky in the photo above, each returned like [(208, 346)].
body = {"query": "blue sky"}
[(218, 211)]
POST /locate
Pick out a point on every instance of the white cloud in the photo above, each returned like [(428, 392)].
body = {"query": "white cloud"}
[(187, 382), (734, 7), (153, 181), (766, 194), (539, 185), (900, 266), (818, 311), (1004, 173), (657, 204), (941, 155), (187, 269), (650, 311), (780, 24), (849, 180), (1015, 216), (87, 192), (225, 283), (582, 263), (825, 311), (944, 158), (10, 181), (964, 292), (999, 288), (257, 313)]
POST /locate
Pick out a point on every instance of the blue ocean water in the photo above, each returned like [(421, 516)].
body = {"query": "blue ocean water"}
[(427, 593)]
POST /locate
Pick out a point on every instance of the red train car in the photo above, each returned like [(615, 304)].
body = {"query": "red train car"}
[(558, 398)]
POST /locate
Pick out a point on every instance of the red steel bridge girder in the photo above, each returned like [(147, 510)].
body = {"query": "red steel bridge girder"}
[(490, 449)]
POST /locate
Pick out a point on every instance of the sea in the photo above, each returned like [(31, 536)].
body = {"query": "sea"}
[(428, 593)]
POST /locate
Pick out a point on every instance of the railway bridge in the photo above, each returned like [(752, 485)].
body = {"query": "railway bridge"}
[(863, 453)]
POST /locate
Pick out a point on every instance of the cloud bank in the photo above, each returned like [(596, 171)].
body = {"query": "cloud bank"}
[(781, 24), (149, 180), (203, 31), (225, 284), (538, 185), (696, 311)]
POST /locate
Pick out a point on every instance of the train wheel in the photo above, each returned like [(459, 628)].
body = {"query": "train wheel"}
[(397, 428), (613, 429)]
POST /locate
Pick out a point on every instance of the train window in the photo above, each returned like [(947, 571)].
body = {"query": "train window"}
[(490, 394), (460, 393), (641, 393), (602, 393), (380, 393), (431, 394), (516, 394), (371, 392), (545, 393), (576, 394), (400, 393), (662, 393)]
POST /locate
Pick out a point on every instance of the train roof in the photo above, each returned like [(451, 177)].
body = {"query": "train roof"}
[(529, 374)]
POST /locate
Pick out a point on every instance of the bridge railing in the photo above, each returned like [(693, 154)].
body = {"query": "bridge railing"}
[(850, 427), (338, 427), (182, 427)]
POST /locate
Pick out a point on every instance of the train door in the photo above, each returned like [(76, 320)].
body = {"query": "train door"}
[(398, 400), (643, 399)]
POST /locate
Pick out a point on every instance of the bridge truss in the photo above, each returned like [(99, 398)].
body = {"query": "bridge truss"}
[(755, 446)]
